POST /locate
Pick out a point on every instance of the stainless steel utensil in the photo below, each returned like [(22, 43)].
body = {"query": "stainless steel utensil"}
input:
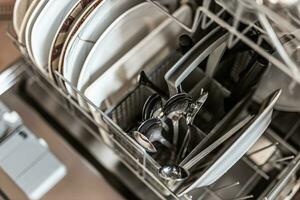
[(152, 107), (196, 107), (144, 142), (151, 131), (179, 102), (175, 117), (184, 145), (173, 172)]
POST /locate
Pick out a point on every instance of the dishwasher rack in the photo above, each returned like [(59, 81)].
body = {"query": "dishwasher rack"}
[(275, 20), (146, 169), (284, 160)]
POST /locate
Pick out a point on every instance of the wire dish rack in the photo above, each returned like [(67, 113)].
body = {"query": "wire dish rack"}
[(284, 159), (275, 17), (274, 178)]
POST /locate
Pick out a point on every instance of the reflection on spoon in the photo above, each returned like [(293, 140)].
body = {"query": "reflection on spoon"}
[(144, 142), (173, 173), (179, 173), (151, 131)]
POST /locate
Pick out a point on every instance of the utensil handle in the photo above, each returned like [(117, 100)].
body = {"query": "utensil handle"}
[(186, 65)]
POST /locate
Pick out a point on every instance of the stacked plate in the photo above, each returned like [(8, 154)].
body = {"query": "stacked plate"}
[(96, 47)]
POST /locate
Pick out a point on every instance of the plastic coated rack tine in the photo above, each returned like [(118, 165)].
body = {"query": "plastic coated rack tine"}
[(244, 198), (226, 187), (263, 149), (281, 160)]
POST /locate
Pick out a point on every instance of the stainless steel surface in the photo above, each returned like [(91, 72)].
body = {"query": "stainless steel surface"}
[(81, 182), (145, 142), (196, 107), (173, 173)]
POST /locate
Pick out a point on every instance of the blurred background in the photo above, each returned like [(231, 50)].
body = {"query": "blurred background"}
[(7, 49)]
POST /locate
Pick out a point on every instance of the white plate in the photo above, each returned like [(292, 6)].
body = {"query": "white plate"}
[(145, 55), (21, 34), (45, 27), (20, 8), (233, 153), (90, 31), (123, 34), (37, 10), (63, 32), (75, 27)]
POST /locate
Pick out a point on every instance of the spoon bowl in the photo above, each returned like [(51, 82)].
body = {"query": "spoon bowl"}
[(144, 142), (173, 173)]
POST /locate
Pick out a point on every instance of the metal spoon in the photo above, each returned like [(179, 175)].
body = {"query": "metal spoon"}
[(175, 117), (196, 107), (179, 102), (152, 107), (185, 142), (183, 109), (151, 131), (176, 170), (191, 114), (144, 142), (173, 172)]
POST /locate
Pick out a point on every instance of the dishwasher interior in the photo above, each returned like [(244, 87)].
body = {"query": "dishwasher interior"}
[(227, 88)]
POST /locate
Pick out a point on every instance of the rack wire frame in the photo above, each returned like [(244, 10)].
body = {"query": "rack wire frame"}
[(205, 17), (133, 156), (138, 161)]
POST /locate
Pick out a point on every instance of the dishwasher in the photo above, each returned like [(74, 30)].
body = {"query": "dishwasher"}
[(213, 116)]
